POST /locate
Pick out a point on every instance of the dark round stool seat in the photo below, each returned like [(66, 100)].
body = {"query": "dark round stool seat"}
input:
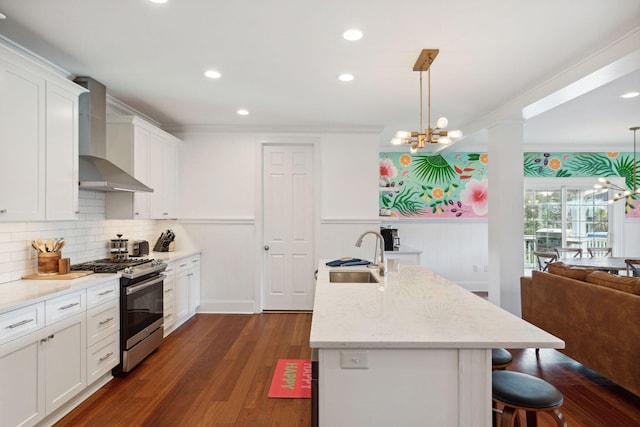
[(500, 357), (524, 391)]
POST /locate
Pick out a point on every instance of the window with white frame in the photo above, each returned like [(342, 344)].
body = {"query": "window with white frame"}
[(569, 212)]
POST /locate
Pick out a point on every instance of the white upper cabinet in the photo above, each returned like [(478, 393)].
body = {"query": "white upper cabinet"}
[(38, 142), (62, 153), (150, 155), (163, 175), (22, 144)]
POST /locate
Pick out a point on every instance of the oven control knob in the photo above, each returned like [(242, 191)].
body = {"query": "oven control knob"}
[(128, 270)]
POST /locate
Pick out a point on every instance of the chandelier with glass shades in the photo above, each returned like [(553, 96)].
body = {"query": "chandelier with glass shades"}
[(431, 135), (622, 193)]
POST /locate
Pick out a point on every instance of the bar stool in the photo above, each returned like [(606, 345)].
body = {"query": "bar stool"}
[(515, 390), (500, 358)]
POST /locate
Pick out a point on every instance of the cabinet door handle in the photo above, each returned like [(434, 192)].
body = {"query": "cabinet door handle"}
[(183, 265), (106, 356), (107, 320), (168, 290), (68, 306), (105, 292), (23, 322)]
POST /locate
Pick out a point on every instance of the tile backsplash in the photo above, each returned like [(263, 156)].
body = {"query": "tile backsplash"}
[(87, 238)]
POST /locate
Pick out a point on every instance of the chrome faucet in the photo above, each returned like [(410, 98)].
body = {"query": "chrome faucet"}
[(382, 265)]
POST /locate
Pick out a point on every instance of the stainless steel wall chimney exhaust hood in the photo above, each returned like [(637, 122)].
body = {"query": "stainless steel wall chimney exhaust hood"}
[(95, 171)]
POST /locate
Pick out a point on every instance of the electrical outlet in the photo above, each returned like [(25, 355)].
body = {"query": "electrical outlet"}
[(354, 360), (475, 268), (32, 252)]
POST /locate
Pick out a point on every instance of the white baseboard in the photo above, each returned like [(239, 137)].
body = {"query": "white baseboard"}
[(227, 306)]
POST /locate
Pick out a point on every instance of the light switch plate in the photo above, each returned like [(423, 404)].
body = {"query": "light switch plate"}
[(354, 360)]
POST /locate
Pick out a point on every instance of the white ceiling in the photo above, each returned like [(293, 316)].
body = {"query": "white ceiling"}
[(280, 58)]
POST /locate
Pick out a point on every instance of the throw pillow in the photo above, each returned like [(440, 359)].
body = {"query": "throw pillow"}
[(560, 269), (621, 283)]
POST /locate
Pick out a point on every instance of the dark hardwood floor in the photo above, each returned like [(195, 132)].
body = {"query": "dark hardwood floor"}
[(216, 370)]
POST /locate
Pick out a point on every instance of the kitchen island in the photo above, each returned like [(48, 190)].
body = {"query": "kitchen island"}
[(411, 350)]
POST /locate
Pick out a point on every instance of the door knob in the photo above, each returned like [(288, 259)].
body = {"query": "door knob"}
[(266, 247)]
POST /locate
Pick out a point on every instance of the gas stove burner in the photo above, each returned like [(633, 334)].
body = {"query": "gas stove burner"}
[(109, 265)]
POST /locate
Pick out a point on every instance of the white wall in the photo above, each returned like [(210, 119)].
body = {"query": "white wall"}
[(220, 206)]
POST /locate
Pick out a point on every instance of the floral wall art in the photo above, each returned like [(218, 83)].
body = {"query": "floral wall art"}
[(584, 165), (451, 185), (455, 185)]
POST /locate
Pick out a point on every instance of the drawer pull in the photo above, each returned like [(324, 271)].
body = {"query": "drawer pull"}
[(107, 320), (168, 290), (183, 265), (23, 322), (105, 292), (68, 306), (106, 356), (168, 315)]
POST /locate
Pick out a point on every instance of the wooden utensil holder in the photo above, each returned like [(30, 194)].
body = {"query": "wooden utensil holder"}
[(48, 262)]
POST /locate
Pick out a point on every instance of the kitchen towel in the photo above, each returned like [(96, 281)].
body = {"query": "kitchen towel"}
[(346, 262), (292, 379)]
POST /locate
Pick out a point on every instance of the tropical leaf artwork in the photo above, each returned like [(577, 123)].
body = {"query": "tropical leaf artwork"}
[(430, 186), (434, 186), (433, 169), (406, 201)]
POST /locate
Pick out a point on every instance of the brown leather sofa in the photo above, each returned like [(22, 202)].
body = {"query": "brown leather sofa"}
[(597, 314)]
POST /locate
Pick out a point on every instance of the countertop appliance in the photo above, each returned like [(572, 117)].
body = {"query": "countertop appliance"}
[(391, 238), (139, 248), (141, 306)]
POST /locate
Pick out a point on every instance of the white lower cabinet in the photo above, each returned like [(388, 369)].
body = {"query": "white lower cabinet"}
[(41, 371), (168, 298), (54, 350), (65, 361), (185, 292), (22, 387)]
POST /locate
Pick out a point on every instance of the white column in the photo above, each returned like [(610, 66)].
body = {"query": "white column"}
[(506, 224)]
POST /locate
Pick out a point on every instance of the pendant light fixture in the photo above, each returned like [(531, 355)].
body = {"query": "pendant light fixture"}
[(431, 135), (622, 193)]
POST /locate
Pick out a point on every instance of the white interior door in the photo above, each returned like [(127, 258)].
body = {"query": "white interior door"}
[(288, 227)]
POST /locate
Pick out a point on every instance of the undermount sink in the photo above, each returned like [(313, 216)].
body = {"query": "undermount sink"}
[(352, 277)]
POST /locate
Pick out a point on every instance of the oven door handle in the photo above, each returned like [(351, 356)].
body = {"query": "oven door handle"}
[(145, 284)]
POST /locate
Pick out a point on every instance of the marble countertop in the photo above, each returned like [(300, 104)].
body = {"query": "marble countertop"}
[(404, 249), (412, 307), (172, 256), (19, 293)]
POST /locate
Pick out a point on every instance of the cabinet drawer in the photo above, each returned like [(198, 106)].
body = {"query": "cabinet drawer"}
[(182, 265), (102, 293), (19, 322), (102, 321), (102, 357), (62, 307)]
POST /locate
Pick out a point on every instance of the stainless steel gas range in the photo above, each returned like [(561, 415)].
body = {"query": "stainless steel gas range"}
[(141, 301)]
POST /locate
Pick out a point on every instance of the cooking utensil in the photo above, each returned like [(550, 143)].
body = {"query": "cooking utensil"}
[(59, 244), (41, 246), (49, 245)]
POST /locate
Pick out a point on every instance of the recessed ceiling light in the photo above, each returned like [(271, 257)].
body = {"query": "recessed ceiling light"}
[(345, 77), (629, 95), (352, 35), (158, 1), (243, 112), (212, 74), (3, 16)]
